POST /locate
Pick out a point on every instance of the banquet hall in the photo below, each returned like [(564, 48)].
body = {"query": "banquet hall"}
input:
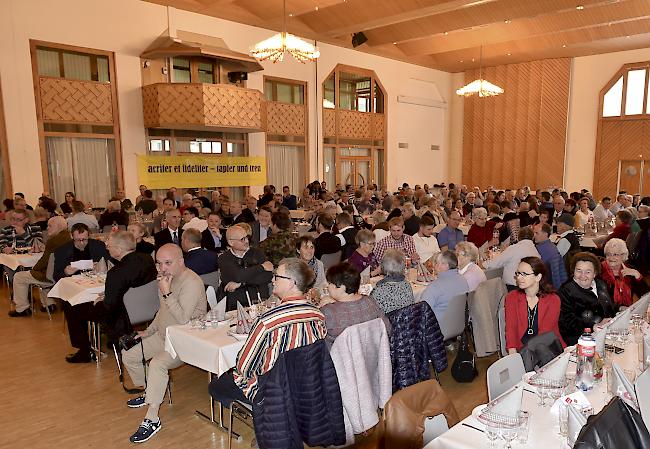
[(185, 172)]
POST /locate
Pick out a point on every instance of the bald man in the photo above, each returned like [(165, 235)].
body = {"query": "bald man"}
[(182, 298), (131, 270), (57, 229)]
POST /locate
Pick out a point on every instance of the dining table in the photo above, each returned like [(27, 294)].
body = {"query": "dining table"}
[(79, 288), (14, 261), (543, 431)]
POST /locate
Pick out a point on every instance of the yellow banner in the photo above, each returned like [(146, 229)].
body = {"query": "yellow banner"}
[(162, 172)]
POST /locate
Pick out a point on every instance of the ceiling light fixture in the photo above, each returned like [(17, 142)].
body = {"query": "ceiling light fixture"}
[(507, 21), (274, 48), (580, 7), (479, 86)]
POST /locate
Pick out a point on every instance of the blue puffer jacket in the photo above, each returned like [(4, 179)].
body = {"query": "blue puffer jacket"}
[(299, 400), (416, 340)]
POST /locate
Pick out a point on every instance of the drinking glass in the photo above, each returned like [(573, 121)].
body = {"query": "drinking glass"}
[(541, 396), (564, 418), (570, 379), (492, 433), (522, 432)]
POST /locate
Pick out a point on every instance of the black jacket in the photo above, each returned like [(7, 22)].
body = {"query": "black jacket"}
[(246, 216), (201, 261), (247, 271), (207, 241), (415, 340), (134, 270), (581, 308), (164, 236), (255, 237), (412, 225), (299, 400), (350, 242), (108, 218), (64, 255), (326, 243)]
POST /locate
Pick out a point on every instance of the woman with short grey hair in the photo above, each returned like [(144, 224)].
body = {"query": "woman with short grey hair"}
[(622, 281), (393, 291), (467, 255)]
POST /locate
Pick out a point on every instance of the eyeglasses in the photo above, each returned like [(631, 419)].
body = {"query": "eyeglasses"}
[(279, 276), (523, 273), (81, 240), (243, 239), (614, 254)]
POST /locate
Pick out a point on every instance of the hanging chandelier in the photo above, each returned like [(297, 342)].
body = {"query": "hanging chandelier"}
[(274, 48), (480, 87)]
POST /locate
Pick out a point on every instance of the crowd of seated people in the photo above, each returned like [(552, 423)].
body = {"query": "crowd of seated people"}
[(448, 231)]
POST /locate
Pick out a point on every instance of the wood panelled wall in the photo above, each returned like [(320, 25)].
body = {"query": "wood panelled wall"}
[(518, 138)]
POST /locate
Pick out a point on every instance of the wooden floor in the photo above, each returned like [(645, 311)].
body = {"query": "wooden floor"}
[(48, 403)]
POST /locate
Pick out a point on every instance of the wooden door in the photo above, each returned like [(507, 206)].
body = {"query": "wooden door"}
[(630, 177)]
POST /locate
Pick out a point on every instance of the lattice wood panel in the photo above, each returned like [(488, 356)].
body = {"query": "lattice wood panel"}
[(329, 123), (208, 105), (378, 126), (518, 137), (354, 125), (76, 101), (285, 119)]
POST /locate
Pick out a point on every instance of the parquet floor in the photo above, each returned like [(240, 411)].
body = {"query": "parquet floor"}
[(48, 403)]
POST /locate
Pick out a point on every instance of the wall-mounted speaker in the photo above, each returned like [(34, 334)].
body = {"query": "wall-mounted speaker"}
[(235, 77), (358, 39)]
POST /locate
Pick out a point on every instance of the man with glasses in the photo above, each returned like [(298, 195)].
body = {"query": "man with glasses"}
[(450, 235), (57, 229), (82, 247), (448, 283), (131, 270), (19, 234), (245, 272)]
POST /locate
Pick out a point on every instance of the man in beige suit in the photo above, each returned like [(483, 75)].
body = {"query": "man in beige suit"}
[(182, 298)]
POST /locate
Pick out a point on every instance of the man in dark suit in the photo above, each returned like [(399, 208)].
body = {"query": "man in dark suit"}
[(173, 233), (197, 259), (326, 242), (132, 270), (214, 237), (288, 200), (261, 228), (240, 215), (80, 248)]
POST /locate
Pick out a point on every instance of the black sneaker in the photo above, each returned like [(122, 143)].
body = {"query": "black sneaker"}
[(80, 357), (146, 430), (136, 402), (26, 312)]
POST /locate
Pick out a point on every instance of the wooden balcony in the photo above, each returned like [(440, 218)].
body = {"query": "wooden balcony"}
[(347, 124), (203, 107), (73, 101)]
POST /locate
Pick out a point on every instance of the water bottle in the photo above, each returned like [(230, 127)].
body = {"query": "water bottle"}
[(586, 356), (114, 228), (13, 239)]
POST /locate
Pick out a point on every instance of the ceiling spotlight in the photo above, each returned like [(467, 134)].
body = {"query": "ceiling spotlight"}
[(394, 43), (564, 46), (460, 60), (446, 33), (507, 21), (580, 7), (508, 54), (290, 14), (316, 8)]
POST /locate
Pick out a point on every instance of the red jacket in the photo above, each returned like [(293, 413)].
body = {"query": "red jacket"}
[(479, 235), (548, 309)]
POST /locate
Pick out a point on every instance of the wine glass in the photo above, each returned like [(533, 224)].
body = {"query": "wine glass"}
[(509, 434), (541, 396), (492, 434)]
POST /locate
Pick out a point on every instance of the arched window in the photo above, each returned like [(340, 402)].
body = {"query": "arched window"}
[(627, 93)]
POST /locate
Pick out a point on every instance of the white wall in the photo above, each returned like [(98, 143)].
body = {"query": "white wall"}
[(590, 74), (127, 27)]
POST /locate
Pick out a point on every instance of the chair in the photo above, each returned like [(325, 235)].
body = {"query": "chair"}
[(494, 273), (642, 388), (453, 322), (501, 320), (329, 260), (434, 426), (504, 374), (212, 279), (44, 289)]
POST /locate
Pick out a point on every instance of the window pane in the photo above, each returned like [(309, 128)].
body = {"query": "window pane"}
[(76, 66), (206, 147), (155, 145), (329, 165), (286, 166), (102, 69), (181, 69), (48, 63), (299, 94), (355, 152), (612, 100), (194, 147), (635, 90), (329, 93), (268, 90), (379, 168), (284, 92), (379, 100), (206, 73), (216, 147)]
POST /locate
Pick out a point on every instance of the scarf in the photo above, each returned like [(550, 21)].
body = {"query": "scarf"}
[(622, 285)]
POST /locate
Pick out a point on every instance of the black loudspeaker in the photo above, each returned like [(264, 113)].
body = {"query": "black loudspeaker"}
[(358, 39), (234, 77)]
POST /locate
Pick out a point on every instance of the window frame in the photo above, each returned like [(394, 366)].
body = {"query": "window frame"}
[(623, 72), (194, 69)]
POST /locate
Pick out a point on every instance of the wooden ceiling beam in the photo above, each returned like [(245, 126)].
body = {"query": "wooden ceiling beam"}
[(518, 29), (478, 16)]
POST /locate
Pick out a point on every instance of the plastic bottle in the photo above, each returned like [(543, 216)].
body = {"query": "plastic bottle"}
[(114, 228), (13, 239), (585, 360)]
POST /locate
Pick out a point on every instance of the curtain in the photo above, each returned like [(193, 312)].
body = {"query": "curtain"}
[(84, 166), (48, 63), (286, 167), (76, 66)]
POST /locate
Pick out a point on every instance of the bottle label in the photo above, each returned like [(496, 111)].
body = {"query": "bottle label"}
[(586, 350)]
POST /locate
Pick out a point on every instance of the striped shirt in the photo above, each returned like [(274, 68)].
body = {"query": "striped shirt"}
[(405, 244), (7, 235), (292, 324)]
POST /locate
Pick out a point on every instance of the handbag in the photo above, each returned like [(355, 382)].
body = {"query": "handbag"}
[(464, 367), (540, 350)]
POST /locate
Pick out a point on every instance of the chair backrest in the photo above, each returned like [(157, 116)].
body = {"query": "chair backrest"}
[(504, 374), (212, 279), (642, 388), (494, 273), (453, 322), (641, 306), (434, 426), (329, 260), (501, 320), (142, 302), (49, 271)]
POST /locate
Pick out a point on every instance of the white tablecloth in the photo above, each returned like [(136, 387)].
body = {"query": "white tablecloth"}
[(210, 349), (77, 289), (13, 261), (543, 432), (297, 214)]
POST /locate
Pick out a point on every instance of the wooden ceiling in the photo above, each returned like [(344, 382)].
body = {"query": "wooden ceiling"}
[(448, 34)]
